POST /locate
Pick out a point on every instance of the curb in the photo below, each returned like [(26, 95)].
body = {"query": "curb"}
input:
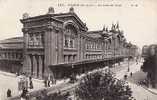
[(149, 90), (14, 75), (7, 74)]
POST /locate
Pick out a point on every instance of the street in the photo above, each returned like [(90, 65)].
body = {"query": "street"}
[(138, 92), (11, 82)]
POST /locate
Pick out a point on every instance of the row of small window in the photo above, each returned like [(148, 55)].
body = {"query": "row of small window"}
[(96, 46), (11, 56), (69, 58), (35, 44), (69, 42), (35, 40), (93, 56), (93, 45)]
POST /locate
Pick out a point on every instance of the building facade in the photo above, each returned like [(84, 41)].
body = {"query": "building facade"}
[(11, 54), (59, 38)]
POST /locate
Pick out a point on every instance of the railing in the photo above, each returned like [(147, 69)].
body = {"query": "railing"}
[(64, 88)]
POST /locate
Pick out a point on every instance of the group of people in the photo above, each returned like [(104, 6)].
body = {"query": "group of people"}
[(28, 84), (49, 81), (126, 76), (24, 83), (24, 94), (144, 82)]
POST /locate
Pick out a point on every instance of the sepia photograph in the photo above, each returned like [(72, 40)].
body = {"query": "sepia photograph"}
[(78, 50)]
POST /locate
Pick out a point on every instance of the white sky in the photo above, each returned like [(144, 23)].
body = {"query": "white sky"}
[(139, 23)]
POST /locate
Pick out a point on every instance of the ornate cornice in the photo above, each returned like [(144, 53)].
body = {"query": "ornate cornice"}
[(41, 17), (41, 28)]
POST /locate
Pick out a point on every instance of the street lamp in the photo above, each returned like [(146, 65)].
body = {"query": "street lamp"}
[(114, 38), (106, 46), (128, 61), (106, 51), (129, 45)]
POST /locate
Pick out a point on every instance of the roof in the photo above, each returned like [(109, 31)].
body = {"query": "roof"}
[(63, 15), (60, 17), (69, 64), (99, 33), (95, 34), (12, 43)]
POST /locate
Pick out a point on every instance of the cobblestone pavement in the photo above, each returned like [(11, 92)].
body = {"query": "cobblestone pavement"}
[(138, 92), (10, 81)]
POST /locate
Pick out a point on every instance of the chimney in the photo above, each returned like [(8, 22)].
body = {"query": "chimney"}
[(51, 10), (71, 10), (25, 15)]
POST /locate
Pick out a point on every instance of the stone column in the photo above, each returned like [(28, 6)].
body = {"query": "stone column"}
[(26, 59), (40, 66), (27, 40), (78, 48), (82, 48), (34, 66), (27, 64), (155, 60), (66, 58), (50, 50), (74, 58), (60, 46), (47, 51), (40, 40), (70, 58)]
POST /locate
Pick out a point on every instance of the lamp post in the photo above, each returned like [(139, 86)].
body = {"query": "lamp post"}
[(114, 38), (106, 46), (129, 56), (128, 59), (106, 52)]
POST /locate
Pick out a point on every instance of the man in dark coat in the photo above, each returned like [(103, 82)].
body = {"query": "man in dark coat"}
[(24, 94), (30, 83), (8, 93)]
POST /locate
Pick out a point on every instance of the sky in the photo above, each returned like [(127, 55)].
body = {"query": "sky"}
[(137, 18)]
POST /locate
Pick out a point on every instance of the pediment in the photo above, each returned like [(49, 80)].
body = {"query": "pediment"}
[(73, 18)]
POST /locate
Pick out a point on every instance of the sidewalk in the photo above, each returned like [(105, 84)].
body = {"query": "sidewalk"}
[(14, 75), (139, 92), (139, 76), (153, 91), (7, 74), (10, 81)]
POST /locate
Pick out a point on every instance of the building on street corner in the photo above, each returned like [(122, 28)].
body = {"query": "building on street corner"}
[(60, 38)]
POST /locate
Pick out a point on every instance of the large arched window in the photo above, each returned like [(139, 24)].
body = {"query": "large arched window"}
[(70, 35)]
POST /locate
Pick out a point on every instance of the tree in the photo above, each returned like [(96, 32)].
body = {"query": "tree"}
[(149, 66), (102, 86)]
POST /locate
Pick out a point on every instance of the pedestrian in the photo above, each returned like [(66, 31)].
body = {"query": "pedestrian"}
[(131, 74), (8, 93), (30, 83), (44, 95), (125, 76), (48, 83), (147, 83), (53, 79), (45, 82), (136, 61), (49, 80), (24, 94)]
